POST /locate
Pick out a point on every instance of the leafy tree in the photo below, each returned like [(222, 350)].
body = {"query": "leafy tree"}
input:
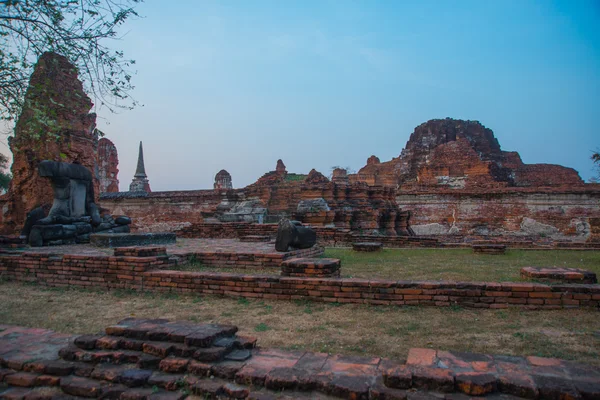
[(5, 177), (76, 29)]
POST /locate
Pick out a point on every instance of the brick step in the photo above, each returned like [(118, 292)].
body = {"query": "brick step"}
[(109, 342), (199, 335), (138, 358), (38, 393), (135, 374), (151, 354)]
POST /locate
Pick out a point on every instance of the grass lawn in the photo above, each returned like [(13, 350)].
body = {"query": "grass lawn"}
[(347, 329), (439, 264), (457, 264)]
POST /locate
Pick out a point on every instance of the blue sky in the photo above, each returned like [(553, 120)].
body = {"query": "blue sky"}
[(239, 84)]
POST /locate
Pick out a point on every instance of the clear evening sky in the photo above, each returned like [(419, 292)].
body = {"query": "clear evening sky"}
[(239, 84)]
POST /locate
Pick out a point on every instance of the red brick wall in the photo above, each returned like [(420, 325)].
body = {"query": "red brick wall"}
[(254, 260), (166, 211), (76, 270), (144, 273), (502, 212)]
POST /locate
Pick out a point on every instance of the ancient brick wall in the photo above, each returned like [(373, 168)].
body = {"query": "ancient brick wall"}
[(108, 166), (450, 153), (510, 213), (55, 124), (326, 236), (77, 270), (165, 211), (145, 273), (515, 213)]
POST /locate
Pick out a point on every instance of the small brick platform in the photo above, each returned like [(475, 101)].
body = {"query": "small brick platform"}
[(555, 274), (210, 252), (489, 248), (367, 246), (157, 359), (311, 267)]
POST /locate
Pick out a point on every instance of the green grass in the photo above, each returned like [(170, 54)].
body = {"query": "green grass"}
[(456, 264), (262, 327), (436, 264)]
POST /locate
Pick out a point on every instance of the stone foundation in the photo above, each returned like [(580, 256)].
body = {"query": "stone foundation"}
[(151, 274)]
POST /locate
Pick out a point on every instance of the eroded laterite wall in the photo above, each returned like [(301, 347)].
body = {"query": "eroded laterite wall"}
[(555, 215)]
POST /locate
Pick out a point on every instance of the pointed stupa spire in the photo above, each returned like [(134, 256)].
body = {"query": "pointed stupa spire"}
[(140, 179), (140, 171)]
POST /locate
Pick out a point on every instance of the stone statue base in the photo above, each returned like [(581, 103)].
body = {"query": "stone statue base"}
[(74, 215)]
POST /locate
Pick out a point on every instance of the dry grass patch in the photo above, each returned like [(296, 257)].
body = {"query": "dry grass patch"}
[(348, 329)]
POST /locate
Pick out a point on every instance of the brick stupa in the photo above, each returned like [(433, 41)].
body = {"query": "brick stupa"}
[(140, 181)]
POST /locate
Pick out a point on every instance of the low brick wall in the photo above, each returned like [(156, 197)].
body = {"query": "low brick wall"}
[(148, 273), (326, 236), (253, 260), (77, 270)]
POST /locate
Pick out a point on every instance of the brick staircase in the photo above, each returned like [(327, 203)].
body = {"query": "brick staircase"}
[(140, 359)]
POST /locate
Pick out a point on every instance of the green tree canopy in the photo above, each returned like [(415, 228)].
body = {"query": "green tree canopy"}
[(76, 29)]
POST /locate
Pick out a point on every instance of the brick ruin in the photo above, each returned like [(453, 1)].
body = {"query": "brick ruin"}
[(108, 170), (477, 205), (223, 180), (452, 181), (160, 359), (140, 182), (151, 272), (355, 206), (55, 124), (457, 154)]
